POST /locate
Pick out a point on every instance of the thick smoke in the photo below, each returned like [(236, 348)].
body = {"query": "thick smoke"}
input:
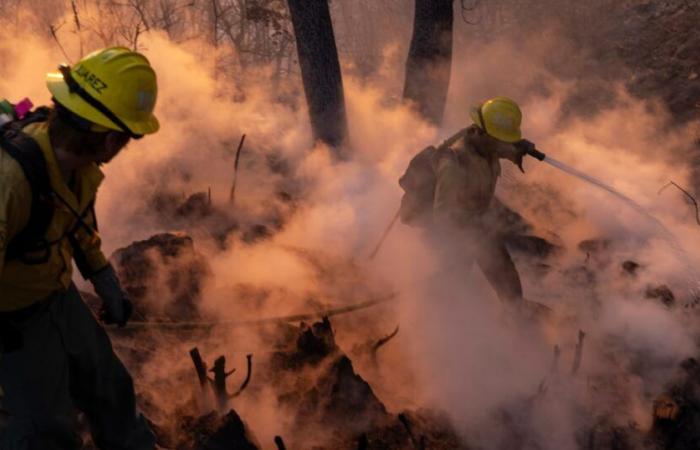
[(457, 350)]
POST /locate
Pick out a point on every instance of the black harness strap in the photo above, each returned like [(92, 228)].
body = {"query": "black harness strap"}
[(30, 245)]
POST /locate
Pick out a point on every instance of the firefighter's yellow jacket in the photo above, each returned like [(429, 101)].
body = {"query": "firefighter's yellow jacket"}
[(466, 177), (22, 284)]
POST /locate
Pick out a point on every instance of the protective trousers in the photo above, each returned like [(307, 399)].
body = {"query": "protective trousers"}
[(65, 361), (462, 248), (498, 267)]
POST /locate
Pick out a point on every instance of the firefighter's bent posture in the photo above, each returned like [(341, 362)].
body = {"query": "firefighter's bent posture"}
[(56, 358), (449, 191)]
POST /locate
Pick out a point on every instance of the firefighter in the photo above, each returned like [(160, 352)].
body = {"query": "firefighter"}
[(56, 357), (449, 191)]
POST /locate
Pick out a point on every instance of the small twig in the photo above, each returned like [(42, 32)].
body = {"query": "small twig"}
[(135, 39), (78, 28), (381, 342), (53, 30), (579, 353), (386, 339), (687, 194), (249, 357), (280, 443), (232, 195)]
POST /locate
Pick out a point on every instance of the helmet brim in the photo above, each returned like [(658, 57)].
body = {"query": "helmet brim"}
[(74, 103)]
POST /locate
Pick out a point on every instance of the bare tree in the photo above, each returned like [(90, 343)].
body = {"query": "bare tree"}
[(430, 58), (320, 70)]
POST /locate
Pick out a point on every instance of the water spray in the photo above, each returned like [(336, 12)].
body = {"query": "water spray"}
[(667, 235)]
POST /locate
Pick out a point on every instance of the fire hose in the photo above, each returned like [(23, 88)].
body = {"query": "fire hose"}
[(330, 312)]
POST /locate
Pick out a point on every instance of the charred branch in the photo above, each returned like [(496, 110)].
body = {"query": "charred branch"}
[(383, 341), (219, 382), (200, 366), (386, 339), (280, 443), (249, 372)]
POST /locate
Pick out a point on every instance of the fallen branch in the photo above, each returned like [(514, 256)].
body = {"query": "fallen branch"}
[(579, 353), (249, 357), (687, 194)]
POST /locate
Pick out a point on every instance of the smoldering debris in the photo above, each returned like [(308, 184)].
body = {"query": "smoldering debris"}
[(215, 432), (163, 275)]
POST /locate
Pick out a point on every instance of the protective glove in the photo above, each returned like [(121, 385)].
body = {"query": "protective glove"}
[(523, 147), (116, 306)]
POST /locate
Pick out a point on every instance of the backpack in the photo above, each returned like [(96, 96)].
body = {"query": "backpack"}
[(418, 184), (30, 245)]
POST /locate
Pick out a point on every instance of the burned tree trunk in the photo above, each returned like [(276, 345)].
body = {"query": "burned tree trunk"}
[(320, 70), (430, 58)]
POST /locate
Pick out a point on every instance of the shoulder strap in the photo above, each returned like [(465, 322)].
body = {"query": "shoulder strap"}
[(447, 143), (26, 151)]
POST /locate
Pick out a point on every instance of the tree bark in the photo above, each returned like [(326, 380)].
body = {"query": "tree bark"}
[(320, 70), (430, 58)]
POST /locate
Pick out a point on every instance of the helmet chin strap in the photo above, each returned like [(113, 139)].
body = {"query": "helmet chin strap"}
[(481, 119)]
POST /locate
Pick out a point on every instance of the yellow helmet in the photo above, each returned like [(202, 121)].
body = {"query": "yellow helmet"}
[(113, 87), (499, 117)]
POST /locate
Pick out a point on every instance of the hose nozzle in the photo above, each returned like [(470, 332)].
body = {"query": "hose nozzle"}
[(529, 148)]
